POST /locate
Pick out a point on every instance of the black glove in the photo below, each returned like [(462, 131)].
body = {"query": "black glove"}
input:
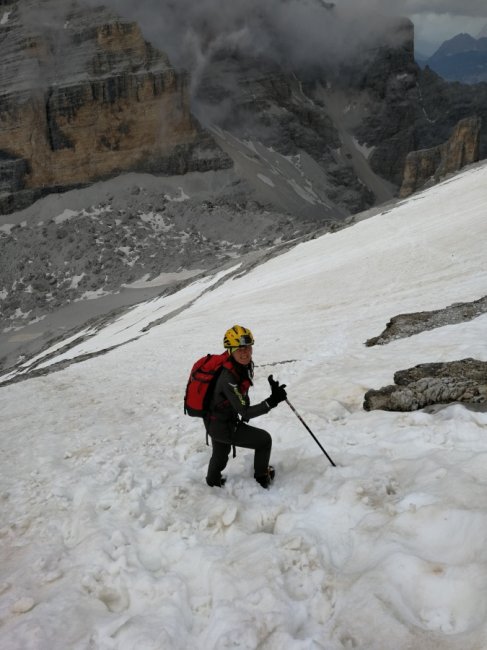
[(278, 394)]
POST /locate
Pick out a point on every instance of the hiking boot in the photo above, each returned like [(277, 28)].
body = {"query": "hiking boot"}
[(220, 482), (266, 479)]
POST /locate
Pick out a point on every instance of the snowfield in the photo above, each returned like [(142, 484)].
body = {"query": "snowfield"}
[(110, 537)]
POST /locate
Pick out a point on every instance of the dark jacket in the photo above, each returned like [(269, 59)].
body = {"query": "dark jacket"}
[(230, 400)]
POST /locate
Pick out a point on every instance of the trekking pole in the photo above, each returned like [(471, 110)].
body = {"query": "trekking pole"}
[(307, 427)]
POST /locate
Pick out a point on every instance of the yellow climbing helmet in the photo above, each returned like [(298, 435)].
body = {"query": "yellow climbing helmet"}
[(237, 336)]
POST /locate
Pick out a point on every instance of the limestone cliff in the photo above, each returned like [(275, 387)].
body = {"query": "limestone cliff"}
[(431, 165), (83, 97)]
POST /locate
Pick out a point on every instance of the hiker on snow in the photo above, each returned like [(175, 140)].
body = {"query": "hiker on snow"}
[(229, 401)]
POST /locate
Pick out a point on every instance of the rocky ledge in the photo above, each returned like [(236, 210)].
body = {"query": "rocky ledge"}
[(404, 325), (432, 383)]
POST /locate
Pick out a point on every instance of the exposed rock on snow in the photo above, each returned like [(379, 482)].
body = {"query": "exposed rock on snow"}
[(432, 383), (404, 325), (466, 369)]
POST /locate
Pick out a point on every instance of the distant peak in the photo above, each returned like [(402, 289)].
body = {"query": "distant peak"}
[(456, 44)]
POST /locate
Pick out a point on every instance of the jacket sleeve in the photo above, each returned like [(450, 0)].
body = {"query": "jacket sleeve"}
[(229, 389)]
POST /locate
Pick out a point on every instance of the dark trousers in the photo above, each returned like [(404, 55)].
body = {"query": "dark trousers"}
[(244, 436)]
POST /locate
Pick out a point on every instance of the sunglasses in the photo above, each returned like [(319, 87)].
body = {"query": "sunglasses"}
[(245, 340)]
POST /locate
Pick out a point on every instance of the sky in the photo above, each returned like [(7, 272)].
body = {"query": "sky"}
[(110, 537), (431, 29)]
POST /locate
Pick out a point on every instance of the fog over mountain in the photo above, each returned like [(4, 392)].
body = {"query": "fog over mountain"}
[(454, 7), (296, 33)]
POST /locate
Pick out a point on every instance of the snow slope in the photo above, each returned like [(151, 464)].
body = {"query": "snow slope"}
[(110, 537)]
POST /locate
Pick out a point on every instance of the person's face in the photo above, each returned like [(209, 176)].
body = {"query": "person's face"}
[(243, 354)]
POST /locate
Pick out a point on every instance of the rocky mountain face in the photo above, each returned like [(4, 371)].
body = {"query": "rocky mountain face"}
[(362, 121), (429, 166), (406, 109), (259, 100), (83, 97), (444, 105)]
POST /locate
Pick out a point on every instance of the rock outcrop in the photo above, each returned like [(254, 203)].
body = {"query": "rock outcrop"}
[(432, 383), (404, 325), (429, 166), (84, 97)]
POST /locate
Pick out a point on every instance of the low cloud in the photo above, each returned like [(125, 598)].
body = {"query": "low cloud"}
[(475, 8), (297, 33)]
